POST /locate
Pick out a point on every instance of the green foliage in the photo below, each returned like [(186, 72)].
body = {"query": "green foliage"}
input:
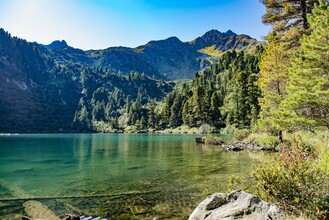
[(79, 90), (82, 120), (316, 138), (116, 101), (290, 21), (272, 82), (307, 103), (288, 16), (36, 94), (234, 183), (229, 129), (215, 43), (221, 95), (214, 140), (206, 129), (242, 134), (293, 180), (265, 140)]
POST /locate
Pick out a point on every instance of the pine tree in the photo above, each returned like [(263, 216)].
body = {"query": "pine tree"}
[(273, 79), (197, 106), (166, 109), (215, 116), (98, 112), (83, 120), (252, 98), (186, 112), (134, 118), (230, 105), (143, 122), (289, 18), (109, 109), (283, 14), (307, 103), (176, 115), (151, 117), (241, 98)]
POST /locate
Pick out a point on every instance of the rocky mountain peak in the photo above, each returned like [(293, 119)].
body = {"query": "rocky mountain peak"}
[(212, 35), (171, 41), (230, 33), (56, 44)]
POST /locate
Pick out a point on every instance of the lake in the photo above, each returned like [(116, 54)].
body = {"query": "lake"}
[(120, 176)]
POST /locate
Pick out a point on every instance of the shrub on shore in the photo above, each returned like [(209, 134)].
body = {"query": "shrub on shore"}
[(296, 180), (242, 134), (214, 140), (264, 140)]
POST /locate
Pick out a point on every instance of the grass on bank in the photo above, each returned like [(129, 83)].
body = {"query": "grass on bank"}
[(297, 177)]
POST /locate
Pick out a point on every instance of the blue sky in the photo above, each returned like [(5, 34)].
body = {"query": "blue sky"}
[(96, 24)]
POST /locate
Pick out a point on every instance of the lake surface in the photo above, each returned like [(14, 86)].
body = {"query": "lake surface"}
[(119, 176)]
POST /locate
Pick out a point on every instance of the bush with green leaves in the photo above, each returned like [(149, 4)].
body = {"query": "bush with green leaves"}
[(206, 129), (294, 181), (242, 134), (235, 183), (214, 140), (229, 129), (264, 140)]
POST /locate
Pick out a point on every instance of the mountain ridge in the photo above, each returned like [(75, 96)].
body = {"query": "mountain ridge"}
[(39, 95), (65, 89), (56, 44), (168, 58)]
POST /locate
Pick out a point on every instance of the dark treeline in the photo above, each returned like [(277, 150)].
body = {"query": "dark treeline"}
[(222, 95), (39, 94), (112, 102)]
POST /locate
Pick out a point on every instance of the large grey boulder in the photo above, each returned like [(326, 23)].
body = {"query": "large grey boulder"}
[(236, 205)]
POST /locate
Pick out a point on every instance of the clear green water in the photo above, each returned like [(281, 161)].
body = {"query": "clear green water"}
[(141, 176)]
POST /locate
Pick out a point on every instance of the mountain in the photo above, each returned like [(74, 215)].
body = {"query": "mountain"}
[(214, 43), (38, 94), (164, 59), (34, 96), (56, 44), (172, 58), (59, 88)]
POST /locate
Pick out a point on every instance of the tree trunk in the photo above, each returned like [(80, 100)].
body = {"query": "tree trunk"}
[(280, 136), (304, 14)]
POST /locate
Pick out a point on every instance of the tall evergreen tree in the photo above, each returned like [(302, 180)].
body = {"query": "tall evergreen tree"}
[(186, 113), (215, 116), (197, 106), (252, 98), (143, 122), (283, 14), (288, 17), (307, 102), (83, 120), (272, 82), (151, 117), (176, 114)]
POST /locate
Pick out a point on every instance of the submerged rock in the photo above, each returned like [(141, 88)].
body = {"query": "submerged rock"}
[(232, 147), (71, 217), (236, 205), (252, 146), (201, 140)]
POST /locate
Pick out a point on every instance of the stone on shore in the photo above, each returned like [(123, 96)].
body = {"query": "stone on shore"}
[(232, 147), (236, 205)]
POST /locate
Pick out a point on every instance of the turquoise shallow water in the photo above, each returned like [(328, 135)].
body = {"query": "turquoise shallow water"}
[(138, 176)]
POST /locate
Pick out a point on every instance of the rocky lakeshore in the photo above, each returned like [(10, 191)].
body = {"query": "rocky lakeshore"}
[(236, 205), (232, 146)]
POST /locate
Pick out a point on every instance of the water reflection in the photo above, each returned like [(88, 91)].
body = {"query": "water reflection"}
[(177, 171)]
